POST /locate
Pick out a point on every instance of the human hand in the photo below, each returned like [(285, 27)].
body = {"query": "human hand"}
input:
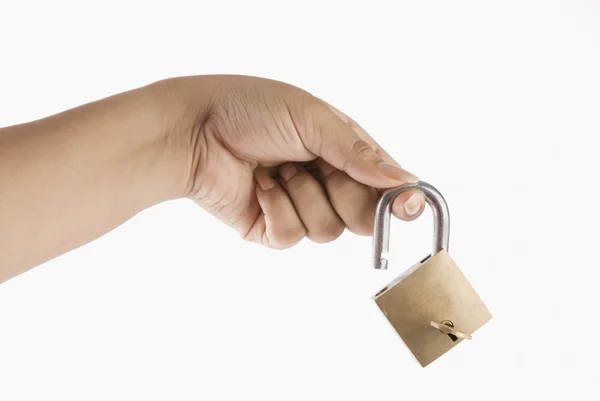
[(278, 164)]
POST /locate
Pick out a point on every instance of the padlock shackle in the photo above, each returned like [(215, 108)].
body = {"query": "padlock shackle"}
[(381, 234)]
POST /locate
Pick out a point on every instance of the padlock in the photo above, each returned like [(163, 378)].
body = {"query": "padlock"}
[(432, 306)]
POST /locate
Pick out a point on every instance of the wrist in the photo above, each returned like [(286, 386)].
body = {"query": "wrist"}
[(182, 107)]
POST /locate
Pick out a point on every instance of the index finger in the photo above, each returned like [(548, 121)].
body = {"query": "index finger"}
[(410, 204)]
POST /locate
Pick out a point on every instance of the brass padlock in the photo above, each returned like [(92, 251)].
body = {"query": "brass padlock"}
[(432, 306)]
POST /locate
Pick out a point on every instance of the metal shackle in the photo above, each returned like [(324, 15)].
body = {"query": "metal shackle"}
[(381, 234)]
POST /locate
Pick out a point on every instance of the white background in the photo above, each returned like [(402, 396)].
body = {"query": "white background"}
[(495, 103)]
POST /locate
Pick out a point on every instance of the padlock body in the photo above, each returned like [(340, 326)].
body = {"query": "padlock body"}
[(432, 290)]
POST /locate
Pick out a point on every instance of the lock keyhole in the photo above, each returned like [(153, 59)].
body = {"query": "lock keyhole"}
[(449, 324)]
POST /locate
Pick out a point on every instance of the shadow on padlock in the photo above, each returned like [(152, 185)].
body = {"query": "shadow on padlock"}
[(432, 305)]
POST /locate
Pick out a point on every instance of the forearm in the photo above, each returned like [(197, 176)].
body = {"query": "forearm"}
[(67, 179)]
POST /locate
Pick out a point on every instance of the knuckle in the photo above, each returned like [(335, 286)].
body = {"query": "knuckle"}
[(329, 231), (359, 148), (359, 213), (363, 222), (314, 123), (300, 183), (360, 228), (360, 220), (338, 183), (278, 247), (353, 125), (290, 236), (313, 109)]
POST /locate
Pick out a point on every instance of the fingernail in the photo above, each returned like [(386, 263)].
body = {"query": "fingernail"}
[(397, 173), (287, 171), (413, 204), (265, 182)]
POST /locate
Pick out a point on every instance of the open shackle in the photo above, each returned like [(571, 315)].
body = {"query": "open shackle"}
[(381, 234)]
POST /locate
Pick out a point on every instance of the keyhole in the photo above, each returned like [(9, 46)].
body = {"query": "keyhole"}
[(449, 323)]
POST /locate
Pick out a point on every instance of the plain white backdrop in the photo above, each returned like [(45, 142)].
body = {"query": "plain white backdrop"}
[(495, 103)]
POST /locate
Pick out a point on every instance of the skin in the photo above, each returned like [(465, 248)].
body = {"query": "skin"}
[(268, 159)]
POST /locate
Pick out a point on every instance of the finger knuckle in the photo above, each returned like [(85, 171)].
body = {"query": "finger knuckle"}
[(301, 183), (361, 221), (353, 125), (314, 122), (290, 236), (359, 148), (329, 231), (361, 228), (360, 215), (338, 184)]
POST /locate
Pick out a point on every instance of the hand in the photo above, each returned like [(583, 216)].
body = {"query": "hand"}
[(278, 164), (268, 159)]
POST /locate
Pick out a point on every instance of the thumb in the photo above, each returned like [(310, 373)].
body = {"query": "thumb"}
[(339, 144)]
